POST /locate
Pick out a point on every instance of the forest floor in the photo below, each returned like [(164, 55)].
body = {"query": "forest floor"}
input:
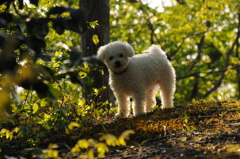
[(201, 130), (212, 133)]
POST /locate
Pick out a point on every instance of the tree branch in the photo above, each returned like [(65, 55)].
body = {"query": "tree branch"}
[(195, 89), (206, 73), (183, 40), (15, 8)]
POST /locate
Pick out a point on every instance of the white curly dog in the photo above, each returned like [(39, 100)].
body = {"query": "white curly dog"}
[(138, 76)]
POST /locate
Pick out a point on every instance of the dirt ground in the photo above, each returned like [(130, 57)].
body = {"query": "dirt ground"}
[(214, 135), (196, 145)]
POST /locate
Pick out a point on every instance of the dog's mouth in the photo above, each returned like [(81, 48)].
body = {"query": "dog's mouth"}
[(118, 68)]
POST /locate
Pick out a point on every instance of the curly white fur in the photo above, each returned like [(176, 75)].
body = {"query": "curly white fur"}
[(138, 76)]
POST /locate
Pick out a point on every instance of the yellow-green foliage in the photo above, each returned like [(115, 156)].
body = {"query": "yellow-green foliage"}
[(9, 134), (86, 148), (50, 152)]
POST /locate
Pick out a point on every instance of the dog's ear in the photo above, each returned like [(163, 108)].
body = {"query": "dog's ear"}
[(101, 53), (128, 48)]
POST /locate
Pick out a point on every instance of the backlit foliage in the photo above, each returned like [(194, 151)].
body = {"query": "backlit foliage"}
[(201, 39)]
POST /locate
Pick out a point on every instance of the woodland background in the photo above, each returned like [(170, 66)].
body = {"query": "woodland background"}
[(50, 79)]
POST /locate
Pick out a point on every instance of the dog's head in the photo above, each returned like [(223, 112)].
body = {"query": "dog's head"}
[(115, 55)]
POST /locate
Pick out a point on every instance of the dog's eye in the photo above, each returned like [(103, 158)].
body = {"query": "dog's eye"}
[(110, 58), (121, 55)]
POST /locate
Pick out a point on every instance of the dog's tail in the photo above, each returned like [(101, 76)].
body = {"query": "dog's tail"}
[(155, 49)]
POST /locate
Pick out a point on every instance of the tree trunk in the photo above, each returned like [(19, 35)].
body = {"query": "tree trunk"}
[(96, 10)]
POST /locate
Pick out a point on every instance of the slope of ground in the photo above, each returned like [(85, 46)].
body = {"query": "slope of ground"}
[(200, 130), (209, 129)]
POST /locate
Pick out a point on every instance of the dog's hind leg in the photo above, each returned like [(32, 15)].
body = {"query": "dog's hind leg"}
[(138, 103), (151, 100), (167, 88), (123, 106)]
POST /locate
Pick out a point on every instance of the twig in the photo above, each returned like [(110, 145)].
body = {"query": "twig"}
[(15, 8), (183, 40), (25, 101), (206, 73)]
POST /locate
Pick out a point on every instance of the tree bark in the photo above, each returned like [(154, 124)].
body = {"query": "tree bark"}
[(96, 10)]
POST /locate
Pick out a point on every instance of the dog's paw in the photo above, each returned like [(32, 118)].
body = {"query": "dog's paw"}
[(121, 115), (138, 113), (167, 107)]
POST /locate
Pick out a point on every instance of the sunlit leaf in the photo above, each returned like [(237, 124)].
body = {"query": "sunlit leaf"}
[(109, 139), (53, 146), (43, 102), (82, 74), (183, 139), (95, 39), (90, 154), (72, 125), (96, 114), (53, 91), (83, 143), (35, 108), (127, 133), (101, 148), (122, 141), (82, 102), (93, 24)]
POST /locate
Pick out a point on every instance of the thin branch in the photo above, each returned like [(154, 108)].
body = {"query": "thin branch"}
[(25, 101), (200, 45), (15, 8), (183, 40), (206, 73), (8, 6)]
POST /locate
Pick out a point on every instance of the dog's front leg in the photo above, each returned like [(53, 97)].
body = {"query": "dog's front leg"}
[(123, 106), (138, 104)]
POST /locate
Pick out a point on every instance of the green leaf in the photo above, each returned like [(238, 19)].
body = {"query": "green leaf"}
[(95, 39), (35, 108), (96, 114), (53, 91), (72, 125), (43, 102)]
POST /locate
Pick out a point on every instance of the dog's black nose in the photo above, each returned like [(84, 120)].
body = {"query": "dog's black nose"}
[(118, 64)]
